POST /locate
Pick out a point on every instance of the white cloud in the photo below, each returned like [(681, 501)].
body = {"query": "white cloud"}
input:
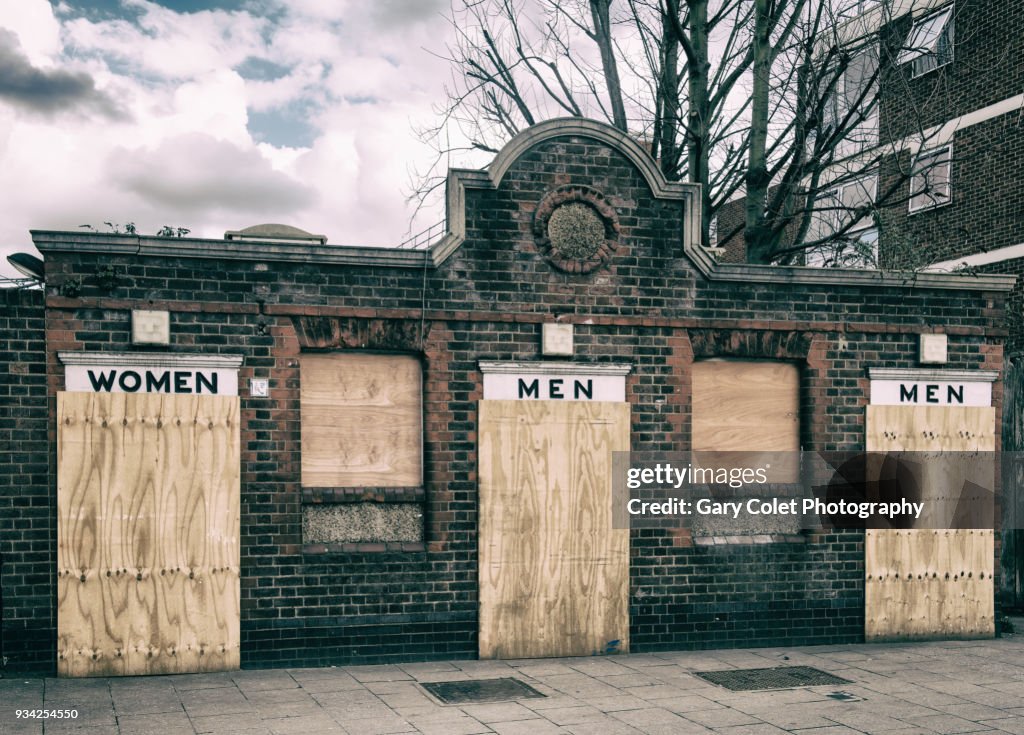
[(48, 91), (302, 81), (38, 31), (186, 158), (195, 174), (170, 44)]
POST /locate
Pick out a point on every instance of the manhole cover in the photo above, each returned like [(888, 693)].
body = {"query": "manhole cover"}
[(785, 677), (474, 691)]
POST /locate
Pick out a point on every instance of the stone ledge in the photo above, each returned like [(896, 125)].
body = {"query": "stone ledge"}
[(363, 495), (775, 538), (364, 547)]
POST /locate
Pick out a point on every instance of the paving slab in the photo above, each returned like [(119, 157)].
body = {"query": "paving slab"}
[(1013, 725), (499, 712), (944, 687), (159, 724), (461, 726)]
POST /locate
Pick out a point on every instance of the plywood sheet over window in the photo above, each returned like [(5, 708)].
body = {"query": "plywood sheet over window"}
[(362, 422), (741, 406)]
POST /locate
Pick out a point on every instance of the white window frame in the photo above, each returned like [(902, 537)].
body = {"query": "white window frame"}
[(835, 194), (822, 256), (924, 57), (864, 229), (837, 104), (930, 153), (863, 134)]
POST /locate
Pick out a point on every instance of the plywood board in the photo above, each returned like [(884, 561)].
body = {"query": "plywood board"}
[(930, 429), (554, 574), (931, 583), (362, 421), (147, 534), (746, 406)]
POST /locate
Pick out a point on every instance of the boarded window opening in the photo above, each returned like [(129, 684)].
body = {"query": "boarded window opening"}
[(741, 406), (749, 407), (362, 422)]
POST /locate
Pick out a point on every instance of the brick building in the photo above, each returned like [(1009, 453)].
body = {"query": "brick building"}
[(946, 114), (364, 473), (959, 99), (946, 97), (956, 101)]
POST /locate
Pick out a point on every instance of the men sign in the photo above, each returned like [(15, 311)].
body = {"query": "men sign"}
[(554, 381), (931, 388)]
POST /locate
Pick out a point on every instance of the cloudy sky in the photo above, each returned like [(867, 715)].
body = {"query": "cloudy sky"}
[(216, 115)]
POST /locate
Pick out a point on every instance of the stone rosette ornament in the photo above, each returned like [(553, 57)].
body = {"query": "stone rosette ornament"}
[(576, 229)]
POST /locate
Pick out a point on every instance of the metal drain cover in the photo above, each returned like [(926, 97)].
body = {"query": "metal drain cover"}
[(844, 697), (475, 691), (784, 677)]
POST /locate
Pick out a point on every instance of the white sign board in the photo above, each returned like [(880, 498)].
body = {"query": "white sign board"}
[(553, 382), (930, 388), (144, 373)]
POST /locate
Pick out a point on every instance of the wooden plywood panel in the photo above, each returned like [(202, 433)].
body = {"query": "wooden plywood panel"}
[(931, 583), (940, 436), (930, 429), (362, 423), (148, 534), (554, 574), (746, 406)]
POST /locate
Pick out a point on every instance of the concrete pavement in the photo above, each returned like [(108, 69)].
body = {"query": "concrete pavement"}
[(904, 689)]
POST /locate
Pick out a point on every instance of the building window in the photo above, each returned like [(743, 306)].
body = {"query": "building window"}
[(361, 420), (850, 101), (930, 43), (842, 226), (930, 179), (854, 250)]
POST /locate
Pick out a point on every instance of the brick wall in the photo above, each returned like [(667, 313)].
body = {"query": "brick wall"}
[(26, 512), (649, 306), (987, 207), (986, 68)]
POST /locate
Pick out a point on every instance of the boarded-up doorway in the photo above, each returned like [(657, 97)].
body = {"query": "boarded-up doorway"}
[(930, 583), (147, 533), (554, 574)]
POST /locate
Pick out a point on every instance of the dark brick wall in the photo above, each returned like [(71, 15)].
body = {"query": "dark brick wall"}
[(746, 594), (26, 513), (986, 68), (987, 207), (987, 210), (1014, 303), (648, 306)]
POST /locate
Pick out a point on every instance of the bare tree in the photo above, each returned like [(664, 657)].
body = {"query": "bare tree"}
[(764, 103)]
